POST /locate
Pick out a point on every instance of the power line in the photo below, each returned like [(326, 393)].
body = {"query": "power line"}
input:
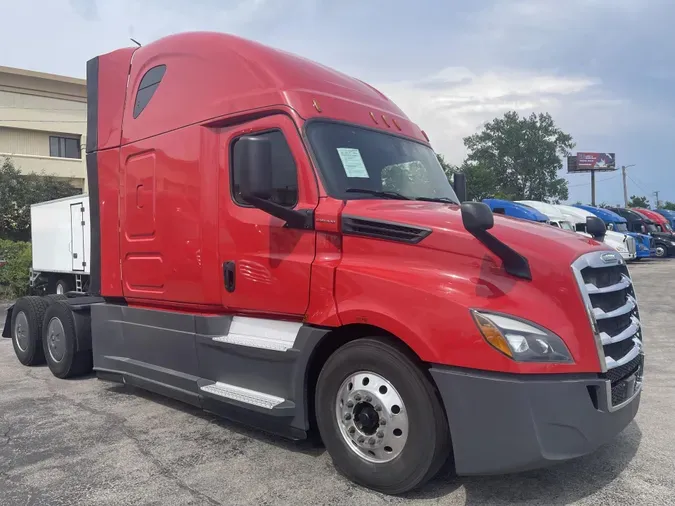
[(641, 188), (586, 184)]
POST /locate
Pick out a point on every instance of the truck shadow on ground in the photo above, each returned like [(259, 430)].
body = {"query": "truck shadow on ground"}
[(311, 446), (561, 484)]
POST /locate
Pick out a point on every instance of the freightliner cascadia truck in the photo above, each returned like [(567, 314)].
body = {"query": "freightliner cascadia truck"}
[(276, 243)]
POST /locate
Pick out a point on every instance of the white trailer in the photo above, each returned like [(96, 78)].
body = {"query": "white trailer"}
[(60, 237)]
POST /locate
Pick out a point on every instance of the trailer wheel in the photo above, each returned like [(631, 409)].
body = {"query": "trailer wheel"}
[(26, 332), (60, 343), (380, 417), (62, 287)]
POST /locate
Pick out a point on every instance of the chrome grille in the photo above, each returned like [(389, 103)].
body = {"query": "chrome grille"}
[(608, 294), (630, 244), (607, 290)]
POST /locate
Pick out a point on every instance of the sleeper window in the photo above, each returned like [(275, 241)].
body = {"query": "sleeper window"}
[(147, 88)]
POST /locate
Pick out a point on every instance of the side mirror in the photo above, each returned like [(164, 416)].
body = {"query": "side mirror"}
[(256, 168), (596, 227), (477, 216), (459, 185)]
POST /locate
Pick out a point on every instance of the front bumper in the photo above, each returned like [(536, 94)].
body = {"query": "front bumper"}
[(626, 255), (503, 423)]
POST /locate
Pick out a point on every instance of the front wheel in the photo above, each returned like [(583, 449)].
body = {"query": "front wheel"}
[(380, 417), (661, 251)]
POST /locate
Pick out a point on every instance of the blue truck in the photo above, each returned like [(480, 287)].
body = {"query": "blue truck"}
[(515, 210), (644, 244), (669, 215)]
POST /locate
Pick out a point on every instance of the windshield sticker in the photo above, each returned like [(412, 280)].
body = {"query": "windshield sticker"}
[(352, 162)]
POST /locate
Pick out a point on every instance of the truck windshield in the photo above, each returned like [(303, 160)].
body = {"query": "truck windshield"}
[(619, 227), (566, 225), (358, 163)]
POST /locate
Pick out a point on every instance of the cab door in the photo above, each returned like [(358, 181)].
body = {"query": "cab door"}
[(265, 265)]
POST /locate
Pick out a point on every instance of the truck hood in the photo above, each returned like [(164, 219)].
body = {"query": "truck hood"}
[(539, 243)]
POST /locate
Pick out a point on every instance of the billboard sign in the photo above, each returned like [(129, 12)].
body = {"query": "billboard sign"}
[(586, 162)]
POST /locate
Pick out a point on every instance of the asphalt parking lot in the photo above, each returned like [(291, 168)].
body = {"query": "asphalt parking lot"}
[(87, 442)]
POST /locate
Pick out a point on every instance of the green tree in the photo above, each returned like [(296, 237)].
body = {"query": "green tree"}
[(18, 192), (668, 205), (480, 183), (636, 201), (518, 158), (448, 168)]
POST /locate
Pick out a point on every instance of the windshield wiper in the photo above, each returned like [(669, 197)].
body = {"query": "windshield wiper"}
[(378, 193), (437, 199)]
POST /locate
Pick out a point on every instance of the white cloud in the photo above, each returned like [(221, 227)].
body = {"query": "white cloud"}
[(456, 102)]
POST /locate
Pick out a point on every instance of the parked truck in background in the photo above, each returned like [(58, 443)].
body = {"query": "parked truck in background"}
[(669, 215), (622, 242), (276, 242), (664, 245), (555, 217), (60, 237), (644, 243), (515, 210), (661, 222)]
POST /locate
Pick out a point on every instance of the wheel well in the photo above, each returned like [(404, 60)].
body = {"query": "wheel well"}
[(335, 340)]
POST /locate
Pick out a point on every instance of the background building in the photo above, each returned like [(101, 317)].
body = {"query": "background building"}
[(43, 122)]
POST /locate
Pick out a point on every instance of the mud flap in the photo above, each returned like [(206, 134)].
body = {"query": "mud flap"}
[(6, 331)]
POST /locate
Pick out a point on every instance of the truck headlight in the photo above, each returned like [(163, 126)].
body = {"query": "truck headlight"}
[(521, 340)]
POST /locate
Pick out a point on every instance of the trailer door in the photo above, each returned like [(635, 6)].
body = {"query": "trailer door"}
[(77, 236)]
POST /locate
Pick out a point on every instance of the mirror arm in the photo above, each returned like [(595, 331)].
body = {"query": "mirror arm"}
[(302, 219), (514, 263)]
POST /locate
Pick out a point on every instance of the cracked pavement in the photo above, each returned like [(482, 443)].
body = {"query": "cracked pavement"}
[(88, 442)]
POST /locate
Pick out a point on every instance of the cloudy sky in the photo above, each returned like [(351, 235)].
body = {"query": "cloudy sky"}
[(603, 68)]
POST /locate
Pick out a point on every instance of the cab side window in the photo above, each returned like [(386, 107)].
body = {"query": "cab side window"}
[(284, 171)]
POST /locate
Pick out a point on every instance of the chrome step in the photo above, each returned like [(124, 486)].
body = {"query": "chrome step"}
[(259, 333), (244, 395)]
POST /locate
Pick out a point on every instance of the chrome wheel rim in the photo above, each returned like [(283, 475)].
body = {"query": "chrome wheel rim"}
[(372, 417), (59, 289), (21, 331), (56, 342), (660, 251)]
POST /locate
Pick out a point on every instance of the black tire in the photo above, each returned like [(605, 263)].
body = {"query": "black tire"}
[(30, 312), (70, 363), (62, 286), (51, 298), (427, 446), (661, 251)]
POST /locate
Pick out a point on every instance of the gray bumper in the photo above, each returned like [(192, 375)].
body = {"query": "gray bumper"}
[(508, 423)]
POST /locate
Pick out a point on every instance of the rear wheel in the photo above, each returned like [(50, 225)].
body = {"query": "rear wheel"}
[(27, 317), (380, 417), (60, 343)]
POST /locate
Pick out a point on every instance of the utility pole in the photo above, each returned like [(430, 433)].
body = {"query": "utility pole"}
[(593, 188), (656, 194), (625, 188)]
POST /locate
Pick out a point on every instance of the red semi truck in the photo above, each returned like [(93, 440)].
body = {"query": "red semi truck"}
[(276, 242)]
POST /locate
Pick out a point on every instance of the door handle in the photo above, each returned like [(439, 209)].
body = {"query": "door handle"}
[(228, 275)]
